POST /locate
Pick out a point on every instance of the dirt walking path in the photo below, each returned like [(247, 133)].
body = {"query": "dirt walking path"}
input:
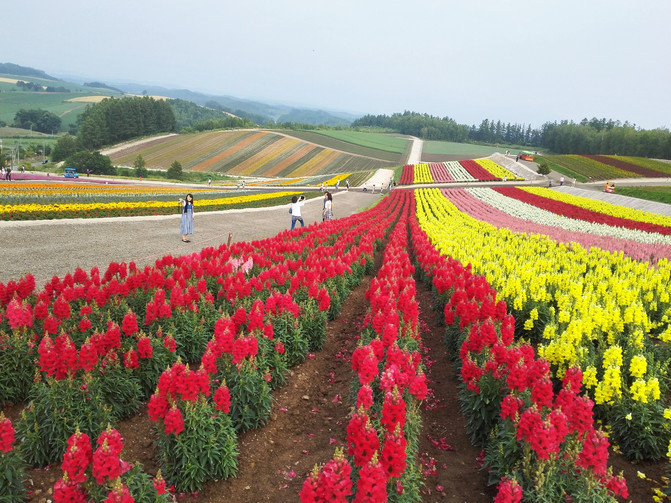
[(58, 247)]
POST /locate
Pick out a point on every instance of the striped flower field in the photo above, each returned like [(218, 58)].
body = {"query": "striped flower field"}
[(557, 321), (247, 153), (45, 201), (455, 171)]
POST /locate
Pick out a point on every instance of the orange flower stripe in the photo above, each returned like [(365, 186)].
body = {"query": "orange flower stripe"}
[(279, 167), (266, 155), (229, 151), (316, 163)]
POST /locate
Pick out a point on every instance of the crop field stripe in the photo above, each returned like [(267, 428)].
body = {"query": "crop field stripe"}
[(275, 165), (290, 171), (647, 163), (627, 166), (270, 167), (183, 148), (271, 153), (280, 168), (589, 167), (229, 151), (254, 162), (312, 167), (215, 145), (254, 148)]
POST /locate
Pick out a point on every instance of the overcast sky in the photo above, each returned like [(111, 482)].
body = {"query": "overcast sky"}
[(519, 61)]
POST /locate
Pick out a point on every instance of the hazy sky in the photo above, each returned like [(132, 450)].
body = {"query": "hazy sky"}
[(524, 61)]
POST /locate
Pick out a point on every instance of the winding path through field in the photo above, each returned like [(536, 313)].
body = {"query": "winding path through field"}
[(415, 156)]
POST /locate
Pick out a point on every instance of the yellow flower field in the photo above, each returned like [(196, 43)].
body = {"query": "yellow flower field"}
[(593, 301)]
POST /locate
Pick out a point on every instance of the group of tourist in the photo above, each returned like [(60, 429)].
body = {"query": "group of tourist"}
[(187, 219)]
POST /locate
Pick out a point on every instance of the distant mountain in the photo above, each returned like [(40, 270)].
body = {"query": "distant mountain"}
[(24, 71), (102, 85), (256, 111), (259, 113)]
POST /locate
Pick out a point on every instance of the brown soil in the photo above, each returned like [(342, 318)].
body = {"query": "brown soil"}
[(309, 420)]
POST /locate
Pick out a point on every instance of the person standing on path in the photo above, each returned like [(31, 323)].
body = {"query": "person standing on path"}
[(295, 211), (186, 223), (327, 214), (347, 184)]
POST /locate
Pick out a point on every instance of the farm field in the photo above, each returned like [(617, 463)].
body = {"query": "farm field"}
[(357, 143), (378, 141), (254, 153), (512, 333), (607, 167), (432, 151), (477, 170), (61, 104)]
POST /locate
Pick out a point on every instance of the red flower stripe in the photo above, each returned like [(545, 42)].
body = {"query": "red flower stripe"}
[(572, 211)]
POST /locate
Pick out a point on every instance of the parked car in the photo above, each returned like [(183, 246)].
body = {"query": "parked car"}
[(71, 173)]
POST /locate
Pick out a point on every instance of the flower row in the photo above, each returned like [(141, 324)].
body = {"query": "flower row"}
[(517, 204), (540, 444), (587, 308), (454, 171), (500, 211), (596, 206), (247, 313), (381, 434), (33, 211)]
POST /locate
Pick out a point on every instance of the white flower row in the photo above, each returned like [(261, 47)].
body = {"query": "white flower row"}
[(458, 172), (538, 215)]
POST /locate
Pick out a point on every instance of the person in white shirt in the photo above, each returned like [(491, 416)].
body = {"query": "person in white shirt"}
[(327, 214), (295, 211)]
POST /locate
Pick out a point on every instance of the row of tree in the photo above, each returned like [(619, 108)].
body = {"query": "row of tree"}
[(33, 87), (37, 120), (116, 120), (595, 136)]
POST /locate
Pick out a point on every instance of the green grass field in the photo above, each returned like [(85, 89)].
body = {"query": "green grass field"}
[(561, 169), (12, 99), (377, 141), (466, 149), (336, 144), (650, 193)]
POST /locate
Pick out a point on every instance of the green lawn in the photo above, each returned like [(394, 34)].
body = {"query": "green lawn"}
[(466, 149), (378, 141), (12, 99), (650, 193), (331, 142)]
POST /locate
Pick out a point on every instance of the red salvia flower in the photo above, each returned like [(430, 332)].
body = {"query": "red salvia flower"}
[(174, 423), (372, 484), (129, 324), (6, 434), (222, 399), (65, 492)]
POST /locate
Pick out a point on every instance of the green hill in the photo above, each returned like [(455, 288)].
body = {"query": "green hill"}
[(250, 152)]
